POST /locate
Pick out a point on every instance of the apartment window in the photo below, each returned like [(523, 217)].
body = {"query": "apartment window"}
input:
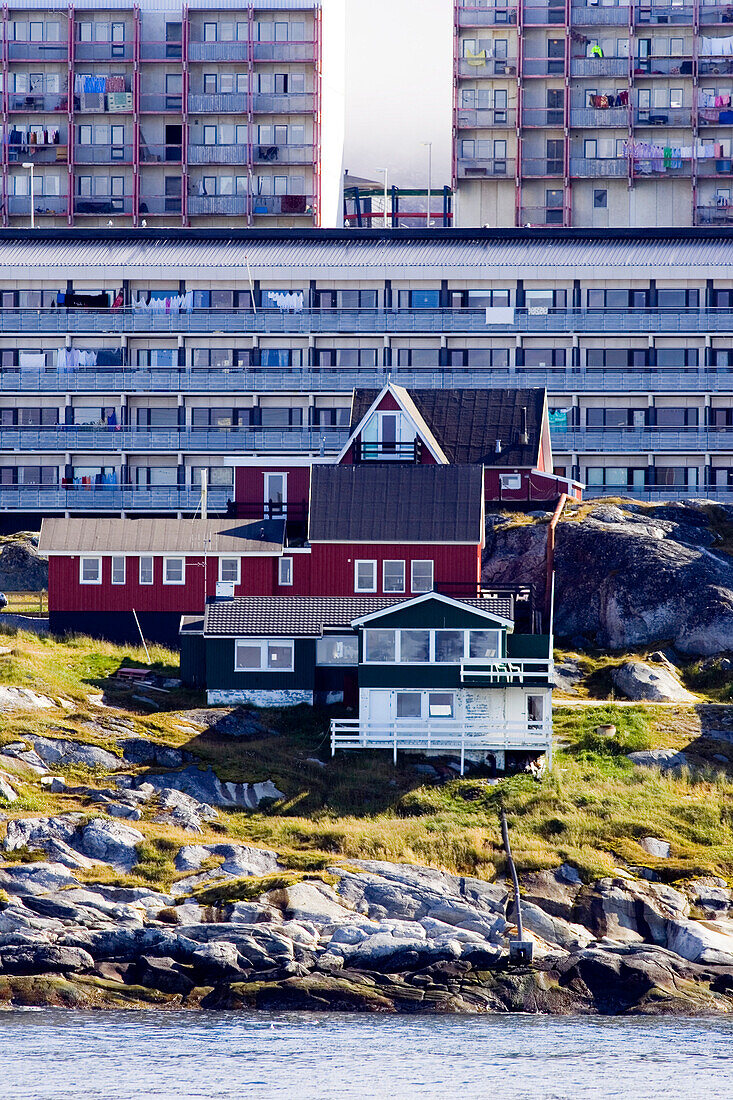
[(337, 650), (676, 476), (264, 655), (483, 643), (600, 200), (676, 418), (393, 576), (419, 299), (380, 646), (544, 357), (414, 646), (615, 477), (421, 578), (535, 708), (229, 570), (90, 570), (276, 495), (449, 647), (285, 571), (441, 704), (365, 576), (118, 570), (145, 573), (174, 571), (678, 299), (409, 704), (677, 357)]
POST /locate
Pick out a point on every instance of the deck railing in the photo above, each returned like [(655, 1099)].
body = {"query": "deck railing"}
[(506, 670)]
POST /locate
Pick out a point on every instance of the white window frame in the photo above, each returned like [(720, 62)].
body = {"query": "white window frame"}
[(174, 557), (85, 580), (229, 580), (365, 561), (268, 494), (393, 591), (146, 558), (118, 559), (422, 561), (285, 571), (264, 644)]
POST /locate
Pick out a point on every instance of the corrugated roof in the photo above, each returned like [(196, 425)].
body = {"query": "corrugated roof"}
[(294, 256), (391, 502), (160, 536), (309, 616), (468, 424)]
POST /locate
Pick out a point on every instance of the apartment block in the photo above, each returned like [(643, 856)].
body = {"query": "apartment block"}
[(593, 114), (205, 113), (130, 362)]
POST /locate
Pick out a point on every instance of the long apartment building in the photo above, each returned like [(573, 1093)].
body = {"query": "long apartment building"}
[(580, 113), (130, 362), (201, 113)]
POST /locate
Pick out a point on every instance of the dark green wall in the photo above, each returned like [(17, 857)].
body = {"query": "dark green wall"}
[(413, 676), (220, 674), (193, 660), (432, 614)]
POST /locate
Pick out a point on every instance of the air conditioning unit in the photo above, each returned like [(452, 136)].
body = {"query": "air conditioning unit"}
[(224, 590), (511, 481)]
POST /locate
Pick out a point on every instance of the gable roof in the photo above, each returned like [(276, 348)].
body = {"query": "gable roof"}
[(160, 536), (306, 616), (467, 423), (392, 502), (408, 406), (497, 609)]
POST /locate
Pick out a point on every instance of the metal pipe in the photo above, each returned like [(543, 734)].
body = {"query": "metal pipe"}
[(513, 870)]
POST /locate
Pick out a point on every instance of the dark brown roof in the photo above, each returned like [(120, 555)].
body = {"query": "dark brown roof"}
[(309, 616), (390, 502), (160, 536), (467, 423)]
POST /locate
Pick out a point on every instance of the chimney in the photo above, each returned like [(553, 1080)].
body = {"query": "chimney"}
[(498, 447), (524, 437)]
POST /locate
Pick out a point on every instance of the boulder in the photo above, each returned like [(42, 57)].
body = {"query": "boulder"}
[(17, 750), (185, 812), (654, 847), (21, 567), (35, 878), (163, 974), (640, 681), (216, 962), (316, 902), (664, 759), (7, 790), (18, 698), (138, 750), (237, 861), (44, 958), (61, 751), (204, 785), (110, 842)]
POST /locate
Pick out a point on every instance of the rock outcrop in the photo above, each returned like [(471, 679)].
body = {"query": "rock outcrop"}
[(21, 568), (640, 681), (640, 575)]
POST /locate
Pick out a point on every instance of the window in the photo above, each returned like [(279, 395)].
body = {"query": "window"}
[(421, 579), (90, 570), (380, 645), (441, 704), (146, 570), (535, 708), (483, 643), (393, 576), (276, 495), (414, 646), (449, 647), (285, 571), (174, 571), (118, 570), (337, 651), (229, 569), (600, 200), (365, 576), (409, 704), (264, 655)]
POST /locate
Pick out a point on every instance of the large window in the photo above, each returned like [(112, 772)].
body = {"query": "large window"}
[(229, 570), (414, 646), (338, 650), (430, 646), (380, 646), (174, 570), (90, 570), (393, 576), (449, 646), (264, 655)]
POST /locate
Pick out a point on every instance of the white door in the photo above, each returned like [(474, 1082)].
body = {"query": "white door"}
[(381, 707)]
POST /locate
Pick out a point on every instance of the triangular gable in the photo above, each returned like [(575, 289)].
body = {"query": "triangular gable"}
[(436, 597), (409, 408)]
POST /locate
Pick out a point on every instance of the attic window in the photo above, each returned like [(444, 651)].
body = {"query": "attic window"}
[(511, 481)]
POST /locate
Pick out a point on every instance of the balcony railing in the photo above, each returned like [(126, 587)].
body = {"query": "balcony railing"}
[(160, 103), (103, 206), (161, 204), (441, 735), (282, 154), (475, 16), (583, 15), (660, 493), (284, 51), (476, 118), (597, 167), (34, 104), (544, 215), (39, 154), (496, 167), (218, 154), (599, 66), (160, 51), (388, 452), (719, 166), (502, 671), (543, 66), (596, 119), (489, 66), (43, 205), (217, 204), (109, 498), (115, 438), (225, 103), (663, 66), (293, 205), (37, 51), (543, 116), (644, 439), (218, 51), (103, 51), (714, 214), (103, 154), (157, 154), (543, 166), (649, 13), (543, 15), (712, 14), (664, 116), (293, 103)]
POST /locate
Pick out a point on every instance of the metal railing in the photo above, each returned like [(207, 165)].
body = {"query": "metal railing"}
[(103, 154), (217, 204), (479, 16), (117, 437), (282, 154), (664, 116), (284, 51), (110, 498), (490, 66), (103, 207), (644, 439), (160, 102), (223, 103), (599, 119), (543, 166), (506, 670), (476, 118), (30, 103), (583, 15), (597, 167), (218, 154), (498, 167), (599, 66), (43, 205), (156, 154), (543, 116), (438, 735), (39, 154), (161, 204), (291, 103), (543, 66), (218, 51), (160, 51), (387, 452), (714, 214), (103, 51), (38, 51)]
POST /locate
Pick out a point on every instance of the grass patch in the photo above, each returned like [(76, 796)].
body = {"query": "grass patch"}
[(252, 887)]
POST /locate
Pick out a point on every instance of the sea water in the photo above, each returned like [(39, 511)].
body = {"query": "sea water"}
[(58, 1055)]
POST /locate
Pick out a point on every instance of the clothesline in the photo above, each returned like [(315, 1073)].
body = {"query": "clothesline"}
[(177, 303)]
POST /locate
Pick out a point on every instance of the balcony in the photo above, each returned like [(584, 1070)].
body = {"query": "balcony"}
[(659, 493), (230, 103), (109, 498), (597, 167), (284, 51), (548, 167), (37, 104), (103, 154), (116, 438), (441, 735), (650, 14), (296, 103), (583, 15), (507, 671), (38, 51), (283, 154), (659, 168), (490, 66), (235, 205), (218, 51), (218, 154), (160, 204), (103, 51), (544, 215), (644, 439), (478, 16), (714, 214), (720, 166), (160, 51), (543, 15), (161, 103), (599, 66), (664, 116), (295, 205), (39, 154), (486, 118), (485, 167), (663, 66), (717, 66), (714, 14), (592, 118), (543, 116), (102, 206), (543, 66), (160, 154), (43, 205), (381, 451)]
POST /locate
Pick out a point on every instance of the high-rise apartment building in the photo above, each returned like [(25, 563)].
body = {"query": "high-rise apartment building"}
[(580, 113), (203, 113)]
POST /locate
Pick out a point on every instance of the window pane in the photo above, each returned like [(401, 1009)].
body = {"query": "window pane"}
[(90, 569), (248, 656), (448, 646), (535, 708), (146, 570), (118, 570), (174, 569), (229, 569), (409, 704), (415, 645), (422, 576), (337, 651), (394, 576), (366, 576), (280, 655), (484, 643), (380, 645), (440, 705)]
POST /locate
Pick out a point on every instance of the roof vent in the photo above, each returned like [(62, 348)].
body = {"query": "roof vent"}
[(524, 437), (498, 446)]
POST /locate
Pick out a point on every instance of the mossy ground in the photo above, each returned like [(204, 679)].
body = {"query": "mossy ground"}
[(591, 811)]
